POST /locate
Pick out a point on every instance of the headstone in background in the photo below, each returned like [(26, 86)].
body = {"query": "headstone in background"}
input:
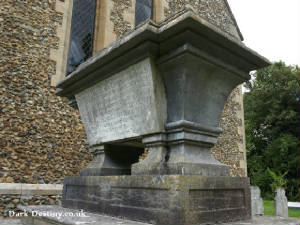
[(281, 204), (257, 205)]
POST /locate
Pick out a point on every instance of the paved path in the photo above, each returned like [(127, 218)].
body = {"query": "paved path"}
[(260, 220), (10, 221)]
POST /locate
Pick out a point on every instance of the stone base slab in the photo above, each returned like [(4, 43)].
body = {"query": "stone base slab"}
[(182, 169), (104, 171), (163, 200)]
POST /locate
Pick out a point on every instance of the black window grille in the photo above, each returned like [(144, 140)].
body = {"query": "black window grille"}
[(143, 11), (82, 33)]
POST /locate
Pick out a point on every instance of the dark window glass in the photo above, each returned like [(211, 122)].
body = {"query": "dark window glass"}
[(143, 11), (82, 33)]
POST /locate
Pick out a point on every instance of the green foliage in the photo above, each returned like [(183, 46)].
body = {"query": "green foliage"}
[(278, 180), (272, 128)]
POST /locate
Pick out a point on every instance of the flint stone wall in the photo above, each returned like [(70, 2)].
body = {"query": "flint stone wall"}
[(10, 202), (12, 195), (216, 12), (41, 137), (230, 148), (117, 16)]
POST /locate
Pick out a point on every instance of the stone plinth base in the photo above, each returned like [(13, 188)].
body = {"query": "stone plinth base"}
[(164, 200)]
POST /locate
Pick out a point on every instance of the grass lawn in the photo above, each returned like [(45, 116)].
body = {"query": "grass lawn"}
[(269, 209)]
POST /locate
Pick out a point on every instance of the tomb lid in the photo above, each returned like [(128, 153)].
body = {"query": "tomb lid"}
[(155, 40)]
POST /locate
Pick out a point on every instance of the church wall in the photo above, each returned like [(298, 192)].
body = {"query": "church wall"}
[(41, 138)]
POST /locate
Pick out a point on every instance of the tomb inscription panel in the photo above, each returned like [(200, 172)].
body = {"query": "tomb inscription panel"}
[(124, 105)]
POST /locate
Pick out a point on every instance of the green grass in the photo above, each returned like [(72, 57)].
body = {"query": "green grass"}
[(269, 209)]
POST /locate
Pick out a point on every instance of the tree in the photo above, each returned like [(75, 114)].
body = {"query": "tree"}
[(272, 127)]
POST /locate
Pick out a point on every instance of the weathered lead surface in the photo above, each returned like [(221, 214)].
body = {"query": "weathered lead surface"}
[(173, 77), (199, 65), (128, 104)]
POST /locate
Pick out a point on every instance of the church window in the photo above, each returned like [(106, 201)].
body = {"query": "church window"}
[(82, 33), (143, 11)]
